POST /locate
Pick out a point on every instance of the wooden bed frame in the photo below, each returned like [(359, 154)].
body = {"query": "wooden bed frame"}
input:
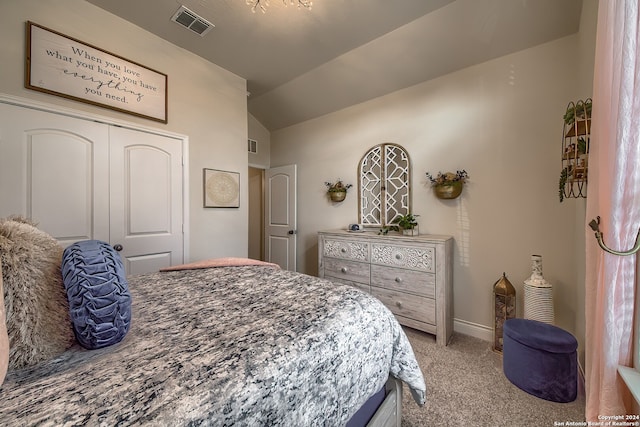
[(389, 413)]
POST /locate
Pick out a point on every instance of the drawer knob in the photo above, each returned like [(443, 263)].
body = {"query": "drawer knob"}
[(343, 269), (343, 250), (399, 304), (398, 256), (398, 279)]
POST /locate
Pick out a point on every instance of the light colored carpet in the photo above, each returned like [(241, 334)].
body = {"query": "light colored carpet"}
[(466, 387)]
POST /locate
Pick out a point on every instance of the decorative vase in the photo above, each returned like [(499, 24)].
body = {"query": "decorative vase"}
[(411, 231), (538, 294), (449, 190), (337, 196)]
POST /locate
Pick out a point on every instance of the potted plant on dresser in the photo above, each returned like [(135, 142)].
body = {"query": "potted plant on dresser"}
[(448, 185), (408, 224), (337, 191)]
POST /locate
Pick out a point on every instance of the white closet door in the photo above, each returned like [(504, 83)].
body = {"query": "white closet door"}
[(54, 170), (146, 199), (81, 180)]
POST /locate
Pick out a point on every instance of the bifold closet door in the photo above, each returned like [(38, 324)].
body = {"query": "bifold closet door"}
[(54, 170), (79, 180)]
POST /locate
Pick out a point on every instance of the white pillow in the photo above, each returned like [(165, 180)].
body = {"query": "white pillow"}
[(37, 310)]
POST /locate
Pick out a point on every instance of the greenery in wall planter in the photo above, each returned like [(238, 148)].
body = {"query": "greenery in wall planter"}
[(564, 174), (582, 110), (448, 185), (337, 191), (582, 146)]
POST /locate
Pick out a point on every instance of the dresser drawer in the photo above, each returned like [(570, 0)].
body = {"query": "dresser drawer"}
[(397, 279), (410, 306), (417, 258), (346, 270), (346, 249)]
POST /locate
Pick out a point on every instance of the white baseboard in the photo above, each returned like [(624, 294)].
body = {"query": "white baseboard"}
[(473, 329)]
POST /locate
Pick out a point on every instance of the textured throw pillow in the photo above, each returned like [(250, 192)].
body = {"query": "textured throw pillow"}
[(4, 338), (98, 293), (37, 311)]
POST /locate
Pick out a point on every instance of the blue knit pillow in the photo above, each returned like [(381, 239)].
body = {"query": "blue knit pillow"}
[(98, 293)]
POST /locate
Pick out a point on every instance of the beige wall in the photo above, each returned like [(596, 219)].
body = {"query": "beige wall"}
[(259, 133), (206, 103), (501, 121)]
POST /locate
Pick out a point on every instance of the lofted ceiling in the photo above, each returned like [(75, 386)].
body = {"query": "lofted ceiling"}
[(300, 64)]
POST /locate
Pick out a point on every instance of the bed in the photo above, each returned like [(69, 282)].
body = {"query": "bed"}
[(241, 345)]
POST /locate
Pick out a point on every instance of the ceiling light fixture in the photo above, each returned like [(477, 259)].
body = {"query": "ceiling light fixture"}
[(262, 4)]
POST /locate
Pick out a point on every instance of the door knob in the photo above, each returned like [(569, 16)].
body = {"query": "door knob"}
[(292, 232), (117, 247)]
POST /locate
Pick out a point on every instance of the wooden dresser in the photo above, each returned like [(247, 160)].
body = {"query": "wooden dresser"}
[(412, 276)]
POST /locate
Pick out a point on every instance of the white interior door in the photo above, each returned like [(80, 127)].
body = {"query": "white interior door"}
[(54, 170), (146, 194), (280, 216)]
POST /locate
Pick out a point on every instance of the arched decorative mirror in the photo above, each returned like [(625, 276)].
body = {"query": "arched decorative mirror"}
[(384, 193)]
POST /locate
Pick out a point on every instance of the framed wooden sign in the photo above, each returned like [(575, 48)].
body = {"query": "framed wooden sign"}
[(66, 67)]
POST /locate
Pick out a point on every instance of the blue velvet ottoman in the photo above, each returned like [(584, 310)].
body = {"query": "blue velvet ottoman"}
[(541, 359)]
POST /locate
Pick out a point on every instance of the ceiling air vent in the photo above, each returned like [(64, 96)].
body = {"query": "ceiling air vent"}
[(193, 22)]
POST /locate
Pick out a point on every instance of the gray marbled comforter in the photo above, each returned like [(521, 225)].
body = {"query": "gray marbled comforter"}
[(242, 346)]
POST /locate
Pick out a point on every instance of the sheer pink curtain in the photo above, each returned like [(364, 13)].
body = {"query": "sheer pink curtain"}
[(614, 195)]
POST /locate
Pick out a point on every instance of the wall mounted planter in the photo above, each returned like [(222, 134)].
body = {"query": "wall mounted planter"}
[(448, 190), (337, 196)]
